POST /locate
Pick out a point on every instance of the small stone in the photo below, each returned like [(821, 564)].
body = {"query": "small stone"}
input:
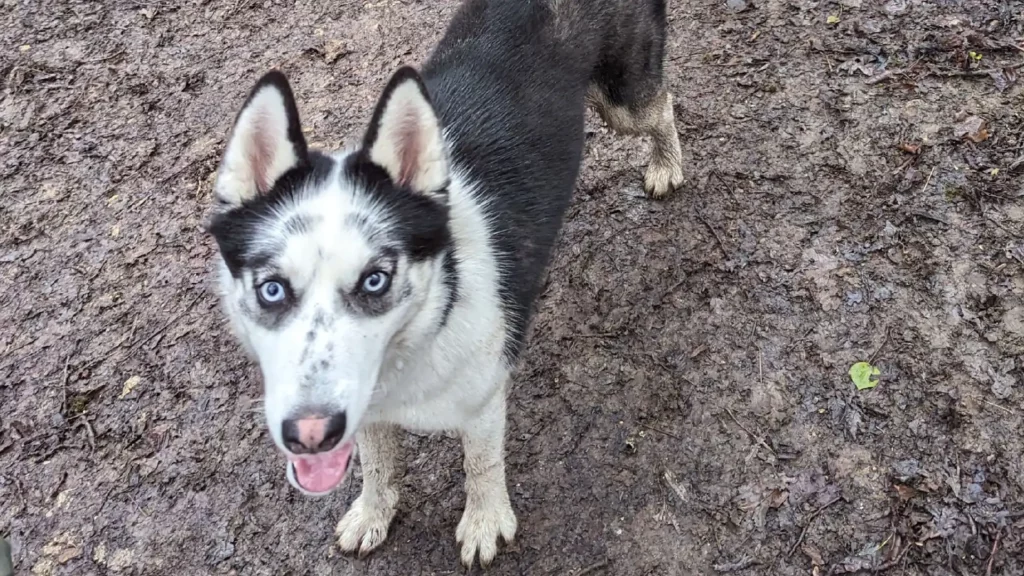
[(906, 470), (6, 564), (1002, 386), (895, 7), (736, 6), (882, 293)]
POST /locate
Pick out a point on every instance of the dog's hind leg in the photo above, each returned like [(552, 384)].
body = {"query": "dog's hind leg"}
[(365, 525), (653, 118), (488, 513), (628, 90)]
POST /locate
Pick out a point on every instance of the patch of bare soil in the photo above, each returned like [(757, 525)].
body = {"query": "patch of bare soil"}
[(856, 172)]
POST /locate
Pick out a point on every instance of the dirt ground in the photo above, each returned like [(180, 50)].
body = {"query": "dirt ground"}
[(856, 174)]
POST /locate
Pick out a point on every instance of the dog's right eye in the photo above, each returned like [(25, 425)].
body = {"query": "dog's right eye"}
[(271, 292)]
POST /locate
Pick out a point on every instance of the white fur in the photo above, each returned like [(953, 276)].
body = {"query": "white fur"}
[(394, 369), (399, 368)]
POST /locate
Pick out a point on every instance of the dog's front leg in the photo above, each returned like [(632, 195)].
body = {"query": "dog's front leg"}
[(365, 525), (488, 513)]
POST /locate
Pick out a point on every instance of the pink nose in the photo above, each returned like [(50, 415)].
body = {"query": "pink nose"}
[(312, 435)]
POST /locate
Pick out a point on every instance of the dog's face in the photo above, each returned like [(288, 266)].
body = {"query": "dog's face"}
[(331, 264)]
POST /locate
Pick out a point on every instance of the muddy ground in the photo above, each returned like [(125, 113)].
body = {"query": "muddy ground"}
[(854, 193)]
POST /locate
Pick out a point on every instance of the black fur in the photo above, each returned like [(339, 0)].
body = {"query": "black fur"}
[(419, 221), (237, 229), (508, 81)]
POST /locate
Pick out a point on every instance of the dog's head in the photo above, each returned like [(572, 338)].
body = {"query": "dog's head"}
[(332, 265)]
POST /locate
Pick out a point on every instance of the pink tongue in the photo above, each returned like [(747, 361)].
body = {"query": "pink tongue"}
[(322, 472)]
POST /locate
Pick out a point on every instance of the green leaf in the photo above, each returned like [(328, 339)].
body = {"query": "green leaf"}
[(832, 19), (861, 374)]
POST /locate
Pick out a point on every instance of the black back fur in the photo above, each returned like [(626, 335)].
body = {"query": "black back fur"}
[(509, 81)]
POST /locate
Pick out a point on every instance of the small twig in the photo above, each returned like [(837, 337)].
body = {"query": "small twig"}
[(899, 558), (592, 335), (882, 77), (670, 479), (99, 59), (721, 244), (84, 422), (807, 526), (749, 433), (662, 432), (928, 180), (927, 216), (742, 563), (800, 339), (64, 386), (992, 555), (135, 346), (973, 73), (994, 405), (593, 567), (106, 496), (871, 359), (999, 225)]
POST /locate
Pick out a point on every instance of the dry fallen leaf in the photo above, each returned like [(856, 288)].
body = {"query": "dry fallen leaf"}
[(777, 498), (904, 492), (1004, 78), (979, 136), (974, 128), (813, 553), (334, 49), (129, 385)]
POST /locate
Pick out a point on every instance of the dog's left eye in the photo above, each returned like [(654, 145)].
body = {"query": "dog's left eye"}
[(375, 283), (271, 292)]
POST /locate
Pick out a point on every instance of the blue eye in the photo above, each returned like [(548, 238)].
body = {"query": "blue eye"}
[(271, 292), (375, 283)]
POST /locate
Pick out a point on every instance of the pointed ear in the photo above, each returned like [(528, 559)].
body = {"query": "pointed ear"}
[(404, 137), (265, 143)]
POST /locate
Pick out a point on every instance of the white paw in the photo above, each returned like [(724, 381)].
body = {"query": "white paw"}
[(662, 177), (365, 525), (480, 527)]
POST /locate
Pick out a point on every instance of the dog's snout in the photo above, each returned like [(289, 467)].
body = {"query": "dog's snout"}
[(313, 434)]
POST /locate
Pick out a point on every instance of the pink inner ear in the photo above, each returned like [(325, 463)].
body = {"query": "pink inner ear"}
[(259, 152), (407, 141)]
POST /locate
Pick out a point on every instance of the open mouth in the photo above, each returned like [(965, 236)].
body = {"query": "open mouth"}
[(318, 474)]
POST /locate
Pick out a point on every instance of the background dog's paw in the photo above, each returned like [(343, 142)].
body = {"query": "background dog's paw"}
[(480, 528), (662, 177), (364, 527)]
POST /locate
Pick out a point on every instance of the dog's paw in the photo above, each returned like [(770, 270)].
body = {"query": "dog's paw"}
[(480, 527), (662, 178), (365, 526)]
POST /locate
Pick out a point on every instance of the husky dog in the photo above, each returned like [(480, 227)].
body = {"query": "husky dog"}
[(391, 286)]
